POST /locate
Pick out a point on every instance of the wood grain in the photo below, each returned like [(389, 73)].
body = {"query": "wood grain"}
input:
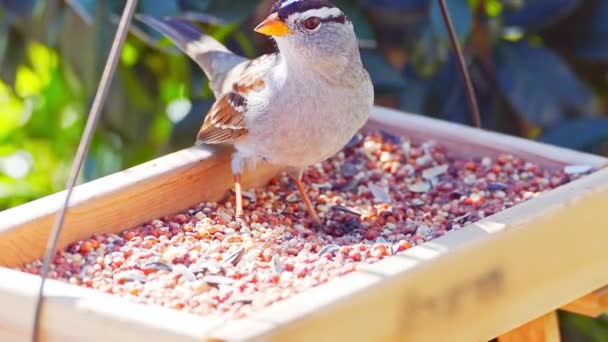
[(74, 314)]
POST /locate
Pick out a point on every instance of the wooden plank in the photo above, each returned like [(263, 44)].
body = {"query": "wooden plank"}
[(489, 277), (592, 305), (542, 329), (76, 314), (120, 201)]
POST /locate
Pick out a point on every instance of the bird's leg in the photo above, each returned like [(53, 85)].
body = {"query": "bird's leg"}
[(297, 177), (237, 169), (238, 195)]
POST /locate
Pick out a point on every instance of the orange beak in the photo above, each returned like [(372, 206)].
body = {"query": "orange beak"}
[(273, 26)]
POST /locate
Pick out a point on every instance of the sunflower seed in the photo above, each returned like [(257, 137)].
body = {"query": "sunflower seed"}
[(132, 275), (354, 141), (462, 218), (577, 169), (349, 170), (323, 186), (235, 257), (244, 301), (395, 248), (497, 186), (276, 264), (331, 249), (184, 272), (251, 196), (382, 240), (434, 172), (348, 210), (380, 194), (424, 231), (390, 138), (420, 187), (294, 197), (417, 202), (158, 266), (210, 266), (216, 280)]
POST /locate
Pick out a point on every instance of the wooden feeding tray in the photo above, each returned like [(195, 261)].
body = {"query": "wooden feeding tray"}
[(472, 284)]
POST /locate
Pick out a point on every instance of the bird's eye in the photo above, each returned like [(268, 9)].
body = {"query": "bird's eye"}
[(312, 23)]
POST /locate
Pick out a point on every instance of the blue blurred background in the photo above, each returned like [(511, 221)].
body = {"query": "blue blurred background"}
[(540, 69)]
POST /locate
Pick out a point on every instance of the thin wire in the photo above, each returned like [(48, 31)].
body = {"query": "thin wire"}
[(94, 114), (470, 91)]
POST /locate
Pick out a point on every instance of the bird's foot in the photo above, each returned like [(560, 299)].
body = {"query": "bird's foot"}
[(313, 217)]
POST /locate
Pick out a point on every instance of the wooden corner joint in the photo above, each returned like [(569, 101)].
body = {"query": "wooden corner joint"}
[(592, 305), (542, 329)]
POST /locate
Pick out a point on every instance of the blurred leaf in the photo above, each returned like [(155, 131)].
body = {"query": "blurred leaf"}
[(4, 37), (86, 9), (363, 28), (461, 15), (231, 11), (532, 15), (539, 84), (592, 132), (28, 83), (586, 36), (194, 5), (413, 98), (385, 77), (184, 132), (159, 9), (399, 5), (443, 95), (18, 8), (11, 111)]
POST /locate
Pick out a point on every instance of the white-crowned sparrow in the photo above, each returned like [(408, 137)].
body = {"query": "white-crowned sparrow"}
[(294, 108)]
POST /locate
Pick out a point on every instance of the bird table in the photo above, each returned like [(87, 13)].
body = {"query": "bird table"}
[(504, 276)]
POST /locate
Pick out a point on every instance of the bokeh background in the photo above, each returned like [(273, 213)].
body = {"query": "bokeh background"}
[(540, 69)]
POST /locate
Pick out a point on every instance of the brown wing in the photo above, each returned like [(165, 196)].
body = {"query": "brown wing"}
[(226, 122)]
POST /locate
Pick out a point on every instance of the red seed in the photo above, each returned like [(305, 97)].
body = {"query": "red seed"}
[(86, 247), (129, 236)]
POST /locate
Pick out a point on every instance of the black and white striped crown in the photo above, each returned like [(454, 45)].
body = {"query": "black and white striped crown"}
[(323, 9)]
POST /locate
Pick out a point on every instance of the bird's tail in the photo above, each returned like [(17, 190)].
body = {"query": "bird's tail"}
[(213, 57)]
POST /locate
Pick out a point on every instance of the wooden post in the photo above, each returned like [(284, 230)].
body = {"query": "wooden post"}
[(542, 329)]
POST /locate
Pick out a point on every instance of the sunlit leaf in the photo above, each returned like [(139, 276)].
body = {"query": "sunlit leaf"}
[(386, 78), (536, 14), (130, 54), (461, 15), (28, 82), (591, 133), (539, 84), (586, 36), (11, 111)]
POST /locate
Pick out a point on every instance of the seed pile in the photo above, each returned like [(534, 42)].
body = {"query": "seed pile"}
[(381, 195)]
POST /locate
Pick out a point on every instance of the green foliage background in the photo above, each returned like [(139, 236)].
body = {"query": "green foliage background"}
[(540, 68)]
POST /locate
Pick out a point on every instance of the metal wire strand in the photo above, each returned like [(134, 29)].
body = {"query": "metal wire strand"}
[(470, 91), (94, 114)]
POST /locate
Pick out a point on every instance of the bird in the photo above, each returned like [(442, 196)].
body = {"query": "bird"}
[(292, 108)]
